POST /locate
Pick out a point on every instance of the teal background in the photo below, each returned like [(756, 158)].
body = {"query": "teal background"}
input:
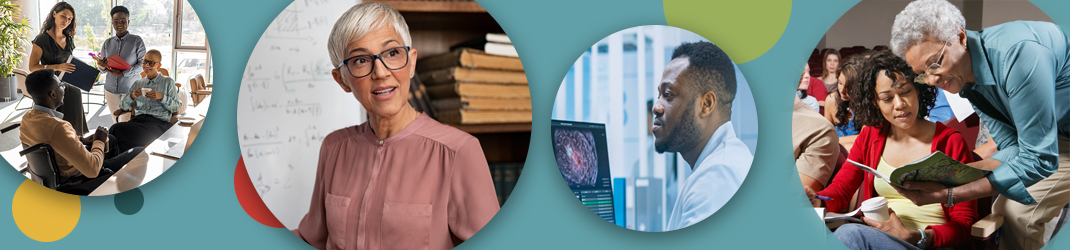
[(193, 204)]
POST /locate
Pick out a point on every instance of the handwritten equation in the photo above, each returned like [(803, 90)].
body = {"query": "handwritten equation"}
[(289, 102)]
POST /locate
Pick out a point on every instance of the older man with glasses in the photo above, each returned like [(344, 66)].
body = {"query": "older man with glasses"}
[(131, 49)]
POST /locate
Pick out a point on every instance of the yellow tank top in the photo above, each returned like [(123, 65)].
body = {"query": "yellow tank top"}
[(913, 217)]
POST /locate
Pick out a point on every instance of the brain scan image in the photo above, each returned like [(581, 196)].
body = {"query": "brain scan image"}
[(576, 156)]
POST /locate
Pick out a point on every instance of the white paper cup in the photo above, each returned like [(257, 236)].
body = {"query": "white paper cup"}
[(145, 91), (876, 208)]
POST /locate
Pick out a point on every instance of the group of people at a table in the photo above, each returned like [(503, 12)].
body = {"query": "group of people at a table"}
[(1016, 75), (57, 118)]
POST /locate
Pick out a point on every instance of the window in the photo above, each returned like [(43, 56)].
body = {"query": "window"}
[(191, 47), (192, 33), (181, 40), (152, 20)]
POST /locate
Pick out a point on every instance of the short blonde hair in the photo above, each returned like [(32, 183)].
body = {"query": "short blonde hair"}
[(358, 21)]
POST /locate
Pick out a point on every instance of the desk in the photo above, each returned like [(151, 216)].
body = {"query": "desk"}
[(148, 165)]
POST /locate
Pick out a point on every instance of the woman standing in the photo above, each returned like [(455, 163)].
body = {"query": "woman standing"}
[(401, 180), (51, 49), (129, 47), (1017, 76)]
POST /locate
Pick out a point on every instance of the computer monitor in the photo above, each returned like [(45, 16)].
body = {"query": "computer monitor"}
[(583, 158)]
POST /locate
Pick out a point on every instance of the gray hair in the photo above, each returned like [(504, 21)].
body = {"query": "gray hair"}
[(358, 21), (937, 18)]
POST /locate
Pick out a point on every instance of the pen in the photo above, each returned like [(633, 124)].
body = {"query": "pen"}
[(824, 198)]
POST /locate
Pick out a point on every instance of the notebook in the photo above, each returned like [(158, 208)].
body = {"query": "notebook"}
[(116, 62), (83, 76)]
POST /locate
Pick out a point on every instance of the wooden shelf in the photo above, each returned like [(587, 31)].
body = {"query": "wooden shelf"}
[(437, 25), (493, 128), (435, 6)]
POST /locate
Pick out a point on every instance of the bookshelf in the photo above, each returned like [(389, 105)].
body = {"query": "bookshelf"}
[(436, 6), (437, 25)]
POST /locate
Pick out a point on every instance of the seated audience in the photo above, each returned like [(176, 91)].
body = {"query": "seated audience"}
[(815, 143), (893, 109), (803, 87), (838, 104), (821, 87)]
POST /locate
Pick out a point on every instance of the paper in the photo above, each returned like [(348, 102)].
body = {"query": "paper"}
[(960, 106), (849, 216), (870, 170)]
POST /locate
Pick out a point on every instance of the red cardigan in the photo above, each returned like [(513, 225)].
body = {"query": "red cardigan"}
[(868, 149), (818, 91)]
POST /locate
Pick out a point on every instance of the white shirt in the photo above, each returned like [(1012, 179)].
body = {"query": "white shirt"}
[(810, 100), (723, 164)]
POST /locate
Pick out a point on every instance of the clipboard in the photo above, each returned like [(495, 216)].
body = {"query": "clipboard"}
[(83, 77)]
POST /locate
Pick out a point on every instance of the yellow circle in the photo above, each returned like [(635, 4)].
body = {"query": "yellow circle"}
[(44, 214)]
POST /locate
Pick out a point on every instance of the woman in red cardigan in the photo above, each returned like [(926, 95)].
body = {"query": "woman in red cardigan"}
[(892, 109)]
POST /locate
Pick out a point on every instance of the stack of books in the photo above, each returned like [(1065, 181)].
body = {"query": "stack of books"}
[(469, 86), (505, 176), (492, 43)]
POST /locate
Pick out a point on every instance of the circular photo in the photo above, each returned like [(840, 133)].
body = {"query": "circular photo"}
[(401, 125), (654, 128), (937, 124), (102, 98)]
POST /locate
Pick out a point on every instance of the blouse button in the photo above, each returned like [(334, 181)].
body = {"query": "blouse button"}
[(380, 142)]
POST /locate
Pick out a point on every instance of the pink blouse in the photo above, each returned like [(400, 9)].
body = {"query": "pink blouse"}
[(426, 187)]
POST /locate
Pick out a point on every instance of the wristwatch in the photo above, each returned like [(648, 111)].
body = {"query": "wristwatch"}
[(921, 242), (950, 198)]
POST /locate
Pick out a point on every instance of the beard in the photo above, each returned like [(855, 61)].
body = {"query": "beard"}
[(683, 136)]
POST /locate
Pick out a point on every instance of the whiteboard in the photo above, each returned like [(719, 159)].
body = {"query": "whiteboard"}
[(288, 102)]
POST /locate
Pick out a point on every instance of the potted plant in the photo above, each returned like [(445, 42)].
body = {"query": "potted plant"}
[(13, 35)]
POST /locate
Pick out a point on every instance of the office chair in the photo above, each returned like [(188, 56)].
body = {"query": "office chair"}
[(200, 89), (41, 164)]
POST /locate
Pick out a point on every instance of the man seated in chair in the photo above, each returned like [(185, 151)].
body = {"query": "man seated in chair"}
[(75, 155), (153, 100)]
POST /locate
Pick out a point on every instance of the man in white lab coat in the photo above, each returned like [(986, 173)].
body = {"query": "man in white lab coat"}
[(691, 116)]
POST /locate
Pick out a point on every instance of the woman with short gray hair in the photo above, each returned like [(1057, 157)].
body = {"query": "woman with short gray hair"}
[(1017, 76), (401, 180)]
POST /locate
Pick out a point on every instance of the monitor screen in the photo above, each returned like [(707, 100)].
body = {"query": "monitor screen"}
[(583, 158)]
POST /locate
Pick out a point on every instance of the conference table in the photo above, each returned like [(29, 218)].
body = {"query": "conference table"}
[(158, 156)]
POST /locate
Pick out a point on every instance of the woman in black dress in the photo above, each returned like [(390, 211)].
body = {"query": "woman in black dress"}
[(51, 48)]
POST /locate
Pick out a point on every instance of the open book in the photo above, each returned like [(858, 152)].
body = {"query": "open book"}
[(936, 167)]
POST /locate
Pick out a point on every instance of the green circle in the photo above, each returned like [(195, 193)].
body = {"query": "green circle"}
[(743, 29)]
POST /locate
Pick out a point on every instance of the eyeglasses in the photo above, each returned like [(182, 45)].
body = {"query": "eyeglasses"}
[(932, 68), (150, 63), (120, 21), (362, 65)]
